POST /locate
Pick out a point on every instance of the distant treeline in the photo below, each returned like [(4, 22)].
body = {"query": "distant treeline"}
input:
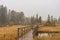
[(11, 17), (51, 21)]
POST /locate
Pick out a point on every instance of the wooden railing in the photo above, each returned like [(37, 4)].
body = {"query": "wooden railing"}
[(23, 31)]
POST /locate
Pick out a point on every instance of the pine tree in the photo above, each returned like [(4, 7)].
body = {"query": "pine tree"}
[(52, 20), (36, 20), (59, 20), (32, 20), (40, 20), (48, 21)]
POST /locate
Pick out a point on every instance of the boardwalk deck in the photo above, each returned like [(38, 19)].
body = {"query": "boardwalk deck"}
[(27, 36)]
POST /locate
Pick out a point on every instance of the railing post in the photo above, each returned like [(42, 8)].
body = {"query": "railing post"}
[(22, 31), (18, 33)]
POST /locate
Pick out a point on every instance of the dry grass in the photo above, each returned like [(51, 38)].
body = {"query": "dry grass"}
[(50, 28), (9, 32), (56, 36)]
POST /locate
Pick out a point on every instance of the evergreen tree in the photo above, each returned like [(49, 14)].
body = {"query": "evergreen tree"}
[(32, 20), (36, 20), (52, 20), (59, 20), (48, 21), (40, 20)]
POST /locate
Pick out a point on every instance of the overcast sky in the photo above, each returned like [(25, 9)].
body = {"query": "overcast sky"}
[(32, 7)]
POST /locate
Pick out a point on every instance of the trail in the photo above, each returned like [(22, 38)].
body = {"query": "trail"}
[(28, 36)]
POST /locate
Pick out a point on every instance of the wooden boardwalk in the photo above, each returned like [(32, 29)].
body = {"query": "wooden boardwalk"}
[(25, 33), (27, 36)]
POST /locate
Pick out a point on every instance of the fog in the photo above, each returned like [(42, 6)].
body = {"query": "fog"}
[(32, 7)]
